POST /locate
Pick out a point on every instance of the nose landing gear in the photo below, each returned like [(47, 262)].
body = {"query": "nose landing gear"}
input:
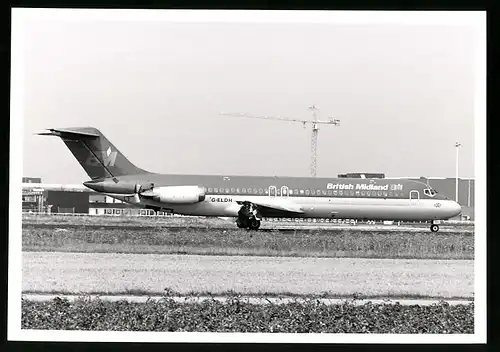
[(434, 227)]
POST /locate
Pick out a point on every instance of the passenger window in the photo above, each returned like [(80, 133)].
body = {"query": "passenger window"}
[(255, 190), (363, 193), (385, 194), (379, 193), (233, 190), (352, 193), (318, 192), (357, 193), (341, 193), (216, 190), (329, 192), (261, 191), (209, 190), (335, 193), (390, 194), (307, 192), (301, 191), (227, 190), (237, 190), (244, 190), (296, 191), (324, 192)]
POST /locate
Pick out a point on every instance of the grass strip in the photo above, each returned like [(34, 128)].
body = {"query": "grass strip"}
[(236, 315), (348, 243)]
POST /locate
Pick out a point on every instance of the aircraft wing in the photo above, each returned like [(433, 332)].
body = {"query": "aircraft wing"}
[(275, 206)]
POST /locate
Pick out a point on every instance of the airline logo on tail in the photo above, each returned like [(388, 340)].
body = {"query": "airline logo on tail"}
[(108, 158)]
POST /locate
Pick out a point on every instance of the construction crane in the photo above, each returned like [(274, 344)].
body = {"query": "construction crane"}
[(315, 128)]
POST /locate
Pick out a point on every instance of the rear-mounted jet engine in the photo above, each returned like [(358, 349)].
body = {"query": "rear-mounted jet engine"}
[(176, 194), (165, 194)]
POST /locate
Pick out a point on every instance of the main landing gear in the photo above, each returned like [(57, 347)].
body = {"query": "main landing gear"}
[(247, 217), (434, 227)]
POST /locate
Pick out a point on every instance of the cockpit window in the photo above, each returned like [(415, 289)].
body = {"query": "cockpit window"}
[(430, 192)]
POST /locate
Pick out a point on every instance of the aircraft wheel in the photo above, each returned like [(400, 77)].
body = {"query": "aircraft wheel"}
[(240, 224), (254, 224), (434, 228)]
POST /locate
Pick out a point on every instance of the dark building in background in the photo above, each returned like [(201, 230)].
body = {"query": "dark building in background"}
[(68, 202), (361, 175), (32, 199)]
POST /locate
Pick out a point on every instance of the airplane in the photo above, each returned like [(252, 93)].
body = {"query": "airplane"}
[(251, 198)]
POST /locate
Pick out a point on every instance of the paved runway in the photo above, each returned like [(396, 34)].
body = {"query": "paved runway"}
[(45, 272)]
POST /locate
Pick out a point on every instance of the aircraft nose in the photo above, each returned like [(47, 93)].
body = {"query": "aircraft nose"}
[(454, 208)]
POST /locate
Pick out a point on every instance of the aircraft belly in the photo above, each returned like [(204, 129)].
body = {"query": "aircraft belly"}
[(341, 208), (375, 209)]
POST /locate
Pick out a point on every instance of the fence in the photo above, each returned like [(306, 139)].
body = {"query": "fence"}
[(108, 212), (115, 212)]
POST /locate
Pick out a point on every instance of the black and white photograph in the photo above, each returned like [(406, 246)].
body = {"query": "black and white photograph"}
[(247, 176)]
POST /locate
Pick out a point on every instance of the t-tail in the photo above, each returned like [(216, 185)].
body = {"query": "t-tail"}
[(95, 153)]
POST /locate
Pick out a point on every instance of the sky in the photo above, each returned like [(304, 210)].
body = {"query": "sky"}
[(404, 94)]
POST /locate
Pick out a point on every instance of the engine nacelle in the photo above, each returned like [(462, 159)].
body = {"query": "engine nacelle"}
[(177, 194), (115, 188)]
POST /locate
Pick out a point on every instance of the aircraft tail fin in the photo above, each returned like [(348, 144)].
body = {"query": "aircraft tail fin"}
[(95, 153)]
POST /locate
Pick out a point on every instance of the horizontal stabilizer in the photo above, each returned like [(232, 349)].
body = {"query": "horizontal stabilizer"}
[(69, 133)]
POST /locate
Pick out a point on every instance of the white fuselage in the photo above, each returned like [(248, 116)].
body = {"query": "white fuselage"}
[(322, 207)]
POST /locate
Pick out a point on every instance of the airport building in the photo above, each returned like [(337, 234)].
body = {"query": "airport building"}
[(77, 200)]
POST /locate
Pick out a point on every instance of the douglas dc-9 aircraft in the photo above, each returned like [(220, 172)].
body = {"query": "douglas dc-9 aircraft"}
[(250, 198)]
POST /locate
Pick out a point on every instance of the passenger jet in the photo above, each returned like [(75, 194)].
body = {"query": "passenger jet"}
[(251, 198)]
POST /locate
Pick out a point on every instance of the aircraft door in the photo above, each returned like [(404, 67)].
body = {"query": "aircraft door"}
[(284, 191), (414, 197), (272, 191)]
